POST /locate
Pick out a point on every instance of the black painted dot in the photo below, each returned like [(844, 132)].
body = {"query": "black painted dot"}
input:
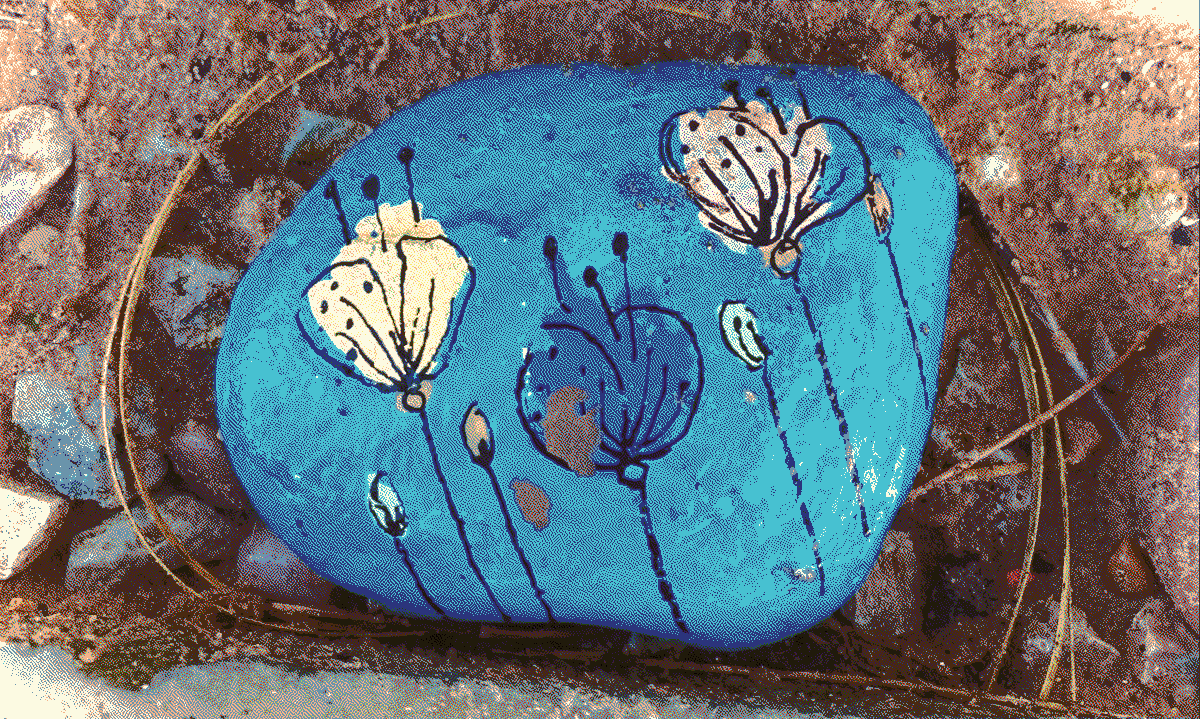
[(553, 351), (758, 149), (342, 411), (726, 163), (334, 286), (582, 371), (352, 355), (349, 322), (740, 130), (693, 125), (324, 306), (536, 416), (684, 149), (367, 287)]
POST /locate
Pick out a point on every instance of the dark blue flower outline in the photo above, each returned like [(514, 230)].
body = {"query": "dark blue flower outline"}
[(615, 347)]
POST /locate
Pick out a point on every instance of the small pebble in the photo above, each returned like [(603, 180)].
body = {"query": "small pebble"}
[(1082, 438), (265, 564), (103, 556), (199, 458), (1094, 655), (1169, 653), (889, 601), (1129, 570), (191, 298)]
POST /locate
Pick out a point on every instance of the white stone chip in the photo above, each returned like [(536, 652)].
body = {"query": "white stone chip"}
[(28, 520), (35, 150)]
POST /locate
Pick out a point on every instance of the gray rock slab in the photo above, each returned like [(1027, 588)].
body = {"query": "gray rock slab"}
[(1167, 501)]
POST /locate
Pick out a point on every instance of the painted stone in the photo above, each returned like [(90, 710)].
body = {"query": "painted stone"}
[(651, 348)]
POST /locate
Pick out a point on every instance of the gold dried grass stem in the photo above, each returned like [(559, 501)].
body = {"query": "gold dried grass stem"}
[(1065, 624), (1008, 301), (1064, 606), (262, 92), (950, 476)]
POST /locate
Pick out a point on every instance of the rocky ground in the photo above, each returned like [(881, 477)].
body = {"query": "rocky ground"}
[(1075, 138)]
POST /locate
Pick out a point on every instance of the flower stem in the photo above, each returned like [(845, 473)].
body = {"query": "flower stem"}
[(664, 586), (791, 465), (458, 520)]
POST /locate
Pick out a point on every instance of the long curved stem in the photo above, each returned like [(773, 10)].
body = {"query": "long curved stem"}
[(458, 520), (420, 587), (664, 586), (512, 535), (791, 465)]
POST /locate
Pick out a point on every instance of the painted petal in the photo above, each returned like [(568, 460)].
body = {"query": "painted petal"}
[(739, 329), (386, 507)]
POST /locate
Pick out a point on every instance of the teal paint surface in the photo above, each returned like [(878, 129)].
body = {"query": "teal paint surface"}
[(629, 462)]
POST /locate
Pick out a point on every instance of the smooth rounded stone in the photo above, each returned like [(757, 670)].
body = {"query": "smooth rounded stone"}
[(265, 564), (104, 555), (35, 151), (63, 446), (199, 458), (597, 362), (28, 521), (189, 297)]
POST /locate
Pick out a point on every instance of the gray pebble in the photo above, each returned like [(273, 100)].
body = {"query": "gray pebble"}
[(103, 556), (265, 564), (199, 458)]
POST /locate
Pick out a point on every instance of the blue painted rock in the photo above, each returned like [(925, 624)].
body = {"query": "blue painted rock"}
[(652, 349)]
